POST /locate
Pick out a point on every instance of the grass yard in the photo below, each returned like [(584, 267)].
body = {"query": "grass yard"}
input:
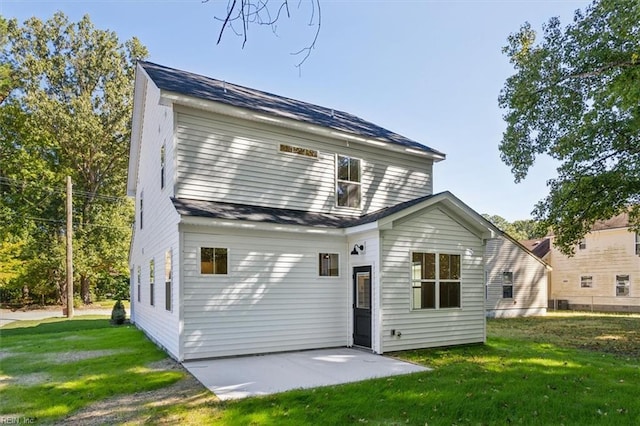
[(569, 369)]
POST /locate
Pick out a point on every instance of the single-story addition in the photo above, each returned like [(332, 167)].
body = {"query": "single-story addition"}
[(517, 278), (267, 224)]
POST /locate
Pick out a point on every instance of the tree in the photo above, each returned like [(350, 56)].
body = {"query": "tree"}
[(520, 229), (69, 114), (576, 97), (242, 14)]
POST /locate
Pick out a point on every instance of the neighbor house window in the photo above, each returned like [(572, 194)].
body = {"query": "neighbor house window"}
[(582, 244), (507, 285), (638, 243), (435, 280), (139, 283), (622, 285), (167, 280), (162, 166), (152, 274), (328, 265), (306, 152), (213, 261), (586, 281), (348, 187)]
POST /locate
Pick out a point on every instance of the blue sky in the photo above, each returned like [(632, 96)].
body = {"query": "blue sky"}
[(429, 70)]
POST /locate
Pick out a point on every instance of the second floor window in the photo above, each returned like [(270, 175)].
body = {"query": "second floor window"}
[(162, 166), (582, 244), (348, 186), (638, 243)]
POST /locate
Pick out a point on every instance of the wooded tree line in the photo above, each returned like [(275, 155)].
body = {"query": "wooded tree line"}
[(65, 110)]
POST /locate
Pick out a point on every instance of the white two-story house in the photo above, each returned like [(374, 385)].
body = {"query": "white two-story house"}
[(267, 224)]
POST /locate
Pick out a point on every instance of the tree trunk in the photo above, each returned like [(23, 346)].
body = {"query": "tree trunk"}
[(85, 290)]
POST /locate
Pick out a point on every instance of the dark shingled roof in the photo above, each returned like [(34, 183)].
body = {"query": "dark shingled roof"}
[(210, 89), (244, 212), (540, 247)]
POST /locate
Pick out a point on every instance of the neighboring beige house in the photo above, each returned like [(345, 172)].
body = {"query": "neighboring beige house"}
[(516, 278), (604, 273)]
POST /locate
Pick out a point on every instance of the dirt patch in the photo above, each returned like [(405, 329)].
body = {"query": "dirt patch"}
[(25, 379), (131, 408), (65, 357)]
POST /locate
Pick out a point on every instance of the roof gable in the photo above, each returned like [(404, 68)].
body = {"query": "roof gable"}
[(210, 89)]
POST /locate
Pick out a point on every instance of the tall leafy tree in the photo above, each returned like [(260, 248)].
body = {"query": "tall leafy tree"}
[(69, 114), (575, 96)]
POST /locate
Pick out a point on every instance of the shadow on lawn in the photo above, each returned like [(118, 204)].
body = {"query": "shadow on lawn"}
[(55, 326)]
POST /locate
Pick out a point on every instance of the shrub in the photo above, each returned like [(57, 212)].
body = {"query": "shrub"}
[(118, 314)]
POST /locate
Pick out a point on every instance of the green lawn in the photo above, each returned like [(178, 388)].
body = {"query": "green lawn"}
[(51, 368), (571, 370)]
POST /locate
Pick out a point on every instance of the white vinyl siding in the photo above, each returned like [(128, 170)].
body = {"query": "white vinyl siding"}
[(236, 161), (529, 280), (430, 231), (271, 300), (160, 231)]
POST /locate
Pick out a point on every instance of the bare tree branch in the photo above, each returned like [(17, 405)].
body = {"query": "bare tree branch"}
[(261, 12)]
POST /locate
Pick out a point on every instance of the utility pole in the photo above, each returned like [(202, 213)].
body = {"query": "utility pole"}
[(69, 248)]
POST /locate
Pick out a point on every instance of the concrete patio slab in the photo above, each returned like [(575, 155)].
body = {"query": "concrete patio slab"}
[(241, 377)]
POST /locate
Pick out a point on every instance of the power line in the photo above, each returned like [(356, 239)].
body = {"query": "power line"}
[(62, 190)]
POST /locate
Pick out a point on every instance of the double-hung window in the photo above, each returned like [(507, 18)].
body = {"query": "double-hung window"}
[(586, 281), (638, 243), (348, 182), (507, 285), (167, 280), (622, 285), (435, 280), (152, 277)]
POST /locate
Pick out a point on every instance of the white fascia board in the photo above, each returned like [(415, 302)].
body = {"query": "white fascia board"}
[(139, 96), (168, 98), (259, 226), (361, 228)]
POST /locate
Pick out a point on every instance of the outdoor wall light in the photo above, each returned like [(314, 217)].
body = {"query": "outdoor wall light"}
[(357, 248)]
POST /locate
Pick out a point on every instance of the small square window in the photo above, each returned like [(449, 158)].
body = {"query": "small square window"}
[(328, 265), (586, 281), (213, 261), (582, 244)]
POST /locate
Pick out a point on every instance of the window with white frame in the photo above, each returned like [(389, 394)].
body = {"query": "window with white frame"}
[(152, 278), (214, 261), (139, 283), (141, 209), (582, 244), (167, 280), (638, 243), (348, 182), (507, 285), (586, 281), (622, 285), (328, 265), (435, 280), (162, 165)]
